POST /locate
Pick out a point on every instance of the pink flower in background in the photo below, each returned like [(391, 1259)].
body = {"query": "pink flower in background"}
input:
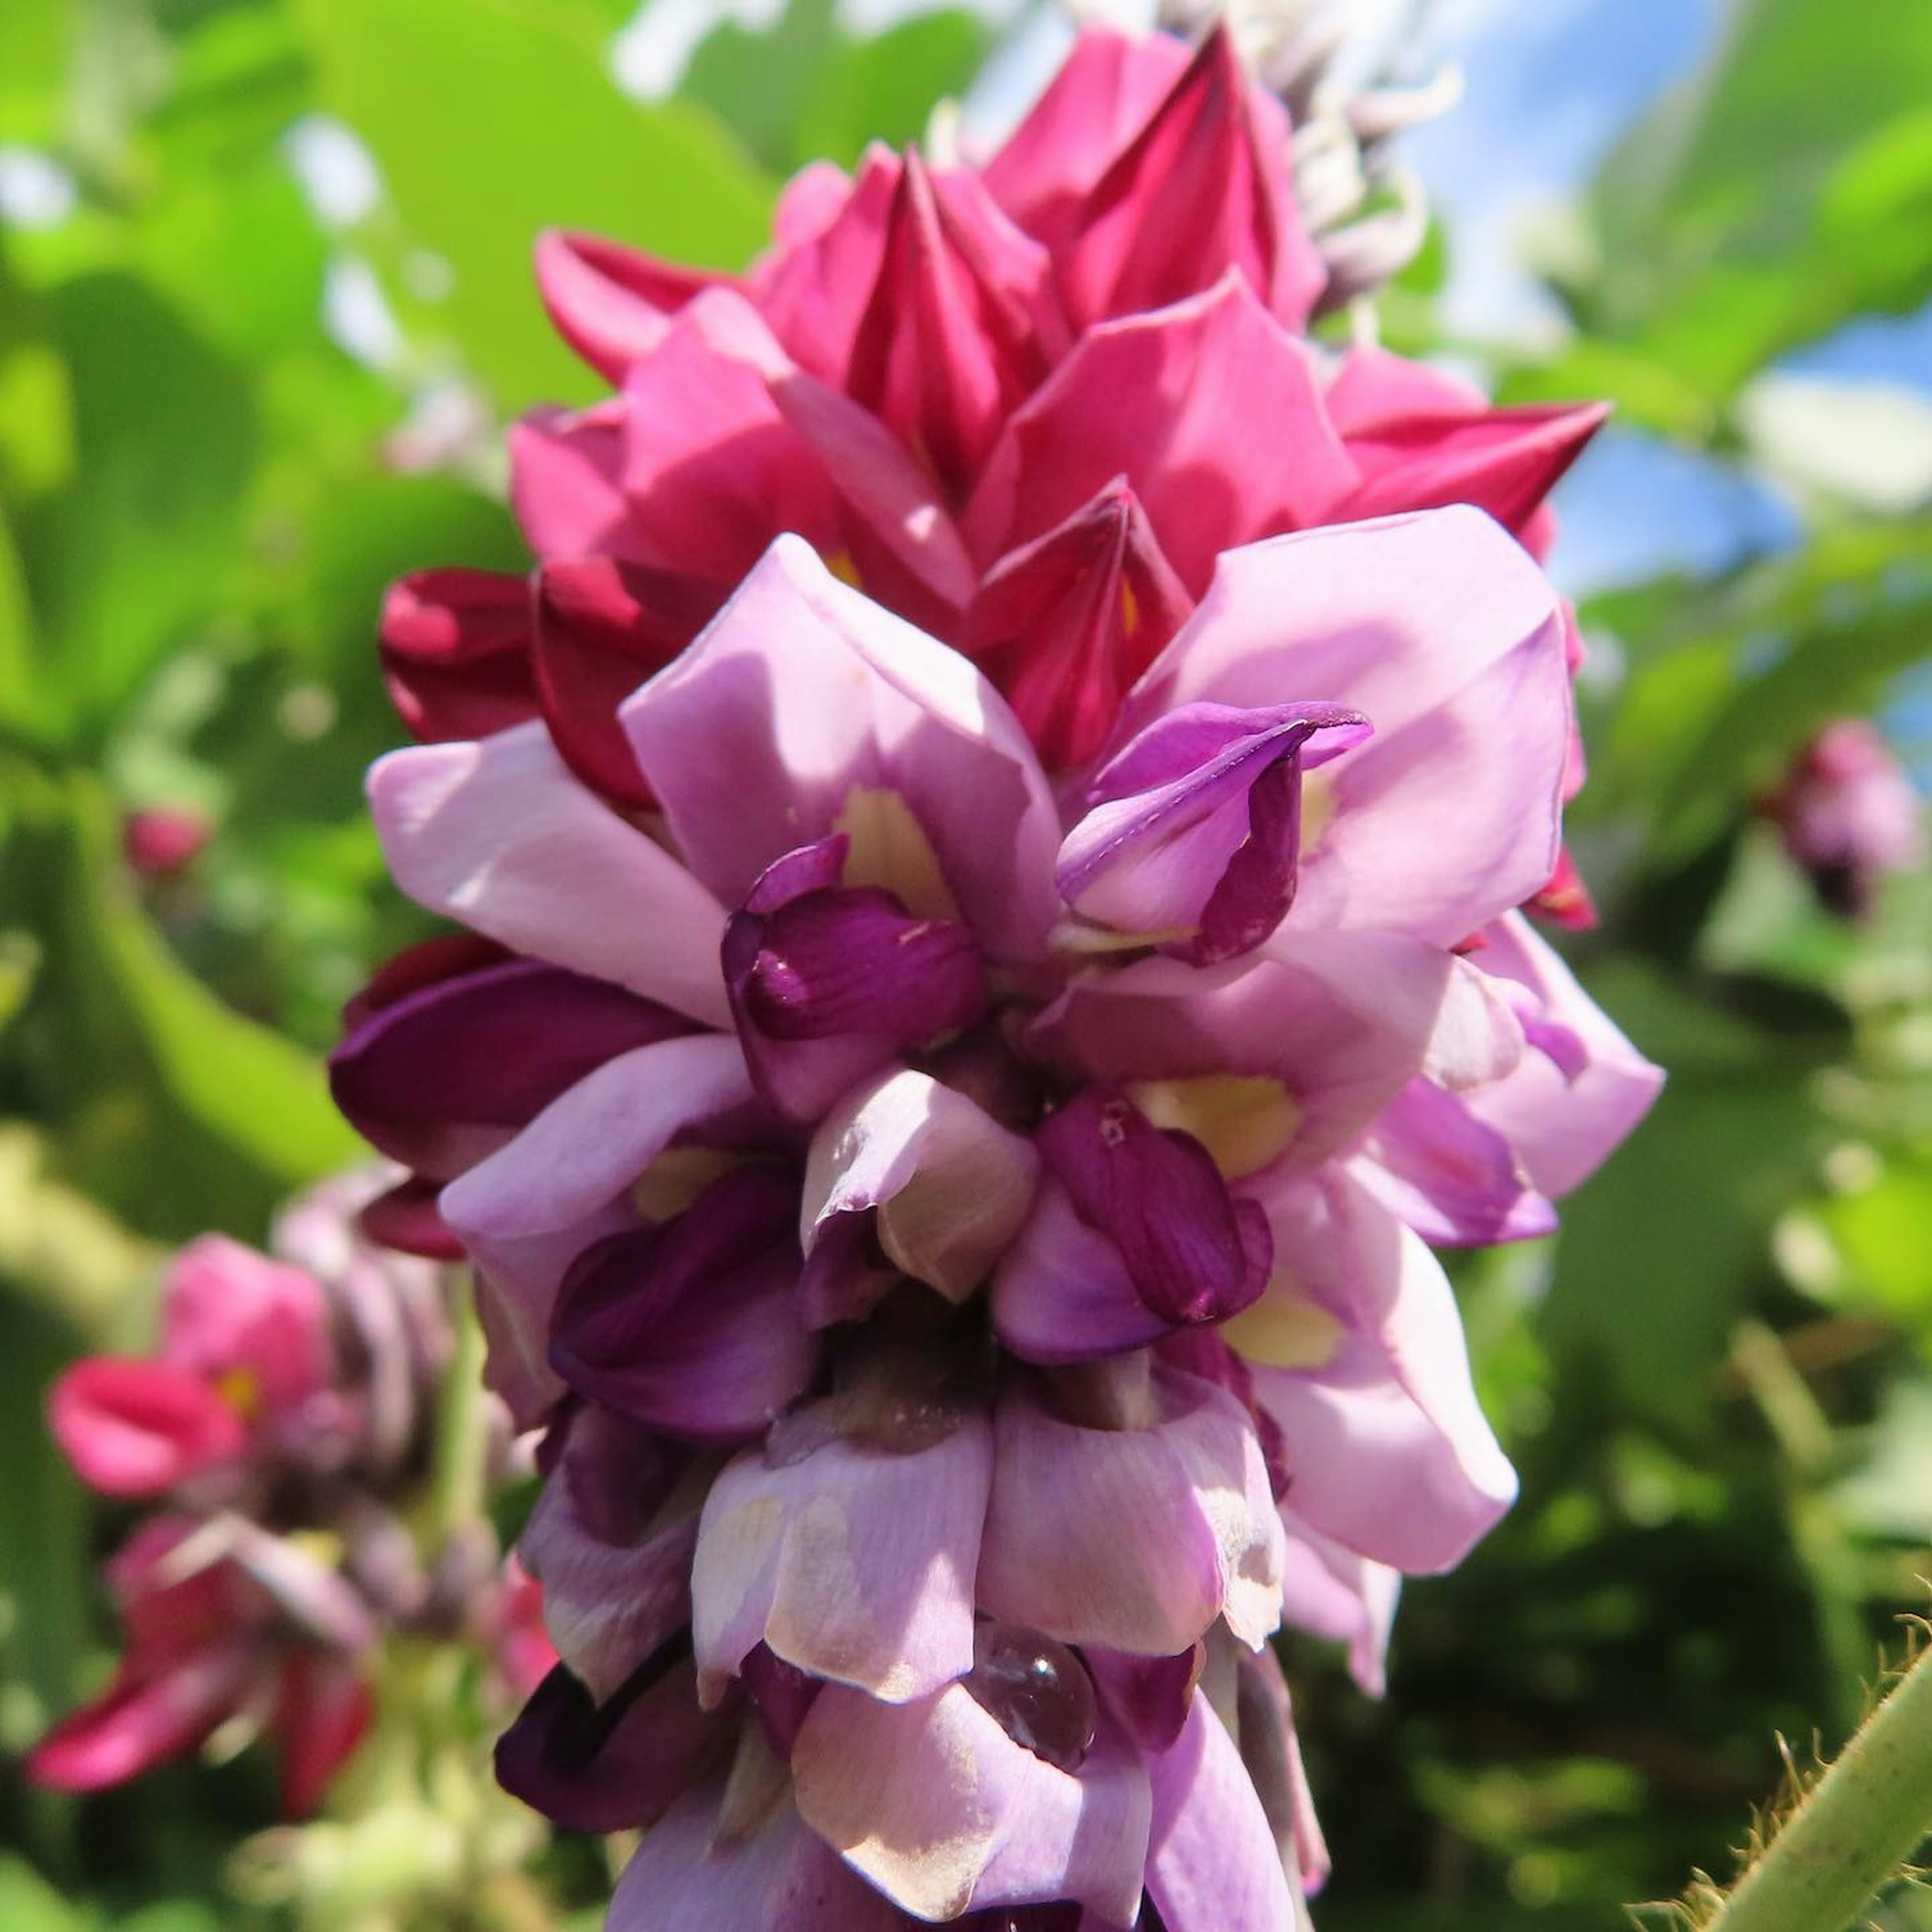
[(160, 841), (282, 1423), (1848, 816)]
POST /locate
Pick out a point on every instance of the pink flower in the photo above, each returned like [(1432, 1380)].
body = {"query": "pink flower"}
[(1848, 816), (223, 1624), (1026, 406), (160, 841), (245, 1355)]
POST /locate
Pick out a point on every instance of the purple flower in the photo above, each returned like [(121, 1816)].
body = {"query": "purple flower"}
[(963, 1226)]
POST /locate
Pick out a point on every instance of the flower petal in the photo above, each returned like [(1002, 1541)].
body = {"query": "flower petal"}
[(935, 1804), (856, 1564), (137, 1428), (1074, 1509), (501, 835)]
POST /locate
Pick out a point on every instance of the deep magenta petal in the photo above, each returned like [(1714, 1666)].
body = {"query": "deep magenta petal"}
[(1159, 1198), (456, 651), (688, 1326), (439, 1077), (133, 1427)]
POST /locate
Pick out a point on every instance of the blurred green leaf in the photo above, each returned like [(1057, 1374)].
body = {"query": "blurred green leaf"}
[(1661, 1252), (35, 43), (28, 1903), (805, 89), (164, 437), (1783, 189), (492, 120)]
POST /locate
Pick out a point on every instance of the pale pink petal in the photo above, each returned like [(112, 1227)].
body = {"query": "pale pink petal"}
[(802, 694), (935, 1804), (1075, 1511), (855, 1563), (500, 835)]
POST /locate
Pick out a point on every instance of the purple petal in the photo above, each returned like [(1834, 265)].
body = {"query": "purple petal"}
[(527, 1213), (855, 1563), (1454, 1179), (1440, 628), (1190, 1254), (1387, 1449), (437, 1079), (943, 1811), (616, 1766), (802, 705), (732, 1856), (689, 1327), (1337, 1594), (947, 1186), (1213, 1862), (1075, 1509), (1195, 827), (611, 1539)]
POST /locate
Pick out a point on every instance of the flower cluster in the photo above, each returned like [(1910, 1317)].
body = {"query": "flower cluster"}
[(282, 1426), (991, 841)]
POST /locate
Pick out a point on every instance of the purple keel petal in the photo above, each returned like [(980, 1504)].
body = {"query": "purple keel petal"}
[(689, 1327), (941, 1810), (1195, 827), (1213, 1862)]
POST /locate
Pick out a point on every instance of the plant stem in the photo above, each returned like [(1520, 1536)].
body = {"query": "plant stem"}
[(460, 1478), (1853, 1831)]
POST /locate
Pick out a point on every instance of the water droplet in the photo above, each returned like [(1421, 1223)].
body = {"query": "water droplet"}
[(1038, 1689)]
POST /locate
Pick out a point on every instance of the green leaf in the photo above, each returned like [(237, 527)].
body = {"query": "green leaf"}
[(257, 1093), (1661, 1251), (164, 440), (804, 90), (28, 1903), (35, 39), (492, 120), (1784, 187)]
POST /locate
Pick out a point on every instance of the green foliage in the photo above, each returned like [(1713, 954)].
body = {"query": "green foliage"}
[(539, 138), (1777, 192)]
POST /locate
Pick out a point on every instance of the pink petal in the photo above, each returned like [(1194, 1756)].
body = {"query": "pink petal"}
[(801, 693), (1439, 628), (137, 1428), (455, 646), (856, 1564), (1065, 624), (143, 1721), (611, 303), (566, 482), (1192, 405), (1386, 1448), (935, 1804), (1562, 1123), (501, 835), (323, 1709), (1103, 92), (1076, 1511), (242, 1321), (1336, 1594), (1204, 187)]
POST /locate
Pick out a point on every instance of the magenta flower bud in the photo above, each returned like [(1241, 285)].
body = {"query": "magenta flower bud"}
[(1848, 816), (159, 842)]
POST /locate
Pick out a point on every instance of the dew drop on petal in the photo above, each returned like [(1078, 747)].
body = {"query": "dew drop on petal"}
[(1037, 1689)]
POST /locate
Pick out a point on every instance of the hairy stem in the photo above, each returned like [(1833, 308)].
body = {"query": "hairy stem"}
[(1853, 1831)]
